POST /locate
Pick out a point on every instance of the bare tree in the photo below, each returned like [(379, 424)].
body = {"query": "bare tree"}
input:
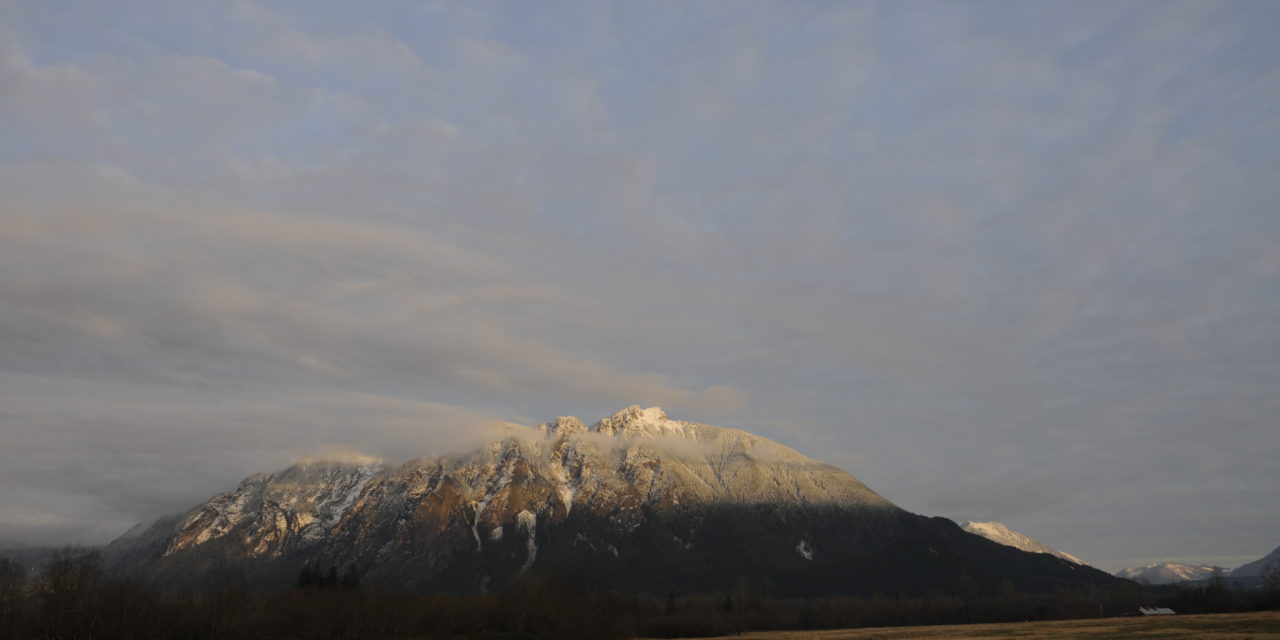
[(12, 584), (66, 593)]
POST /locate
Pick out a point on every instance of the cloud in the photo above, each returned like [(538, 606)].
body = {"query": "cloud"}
[(48, 108), (200, 292), (115, 453)]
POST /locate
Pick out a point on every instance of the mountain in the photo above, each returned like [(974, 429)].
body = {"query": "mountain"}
[(997, 532), (1170, 573), (1257, 567), (636, 500)]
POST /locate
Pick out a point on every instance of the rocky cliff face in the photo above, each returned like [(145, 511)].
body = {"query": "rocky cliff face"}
[(641, 500), (278, 513)]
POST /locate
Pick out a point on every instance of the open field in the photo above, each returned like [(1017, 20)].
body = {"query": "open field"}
[(1223, 626)]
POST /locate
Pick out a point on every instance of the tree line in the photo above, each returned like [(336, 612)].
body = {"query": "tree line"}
[(75, 598)]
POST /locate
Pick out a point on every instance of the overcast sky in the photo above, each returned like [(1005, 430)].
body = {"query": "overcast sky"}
[(1000, 260)]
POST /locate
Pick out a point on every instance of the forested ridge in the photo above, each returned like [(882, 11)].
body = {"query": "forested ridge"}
[(75, 598)]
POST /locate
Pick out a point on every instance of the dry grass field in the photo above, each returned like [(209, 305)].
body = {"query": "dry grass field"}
[(1225, 626)]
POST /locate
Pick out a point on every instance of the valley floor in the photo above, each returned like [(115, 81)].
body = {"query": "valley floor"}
[(1263, 625)]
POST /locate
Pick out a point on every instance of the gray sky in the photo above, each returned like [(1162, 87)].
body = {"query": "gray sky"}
[(1000, 260)]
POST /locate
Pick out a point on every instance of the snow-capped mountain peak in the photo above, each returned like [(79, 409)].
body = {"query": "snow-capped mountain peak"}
[(690, 503), (563, 426), (997, 532), (636, 422), (625, 463)]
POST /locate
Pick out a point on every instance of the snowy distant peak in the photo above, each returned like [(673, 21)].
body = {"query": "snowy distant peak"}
[(631, 422), (326, 468), (340, 459), (1170, 572), (634, 421), (320, 473), (652, 430), (997, 532), (563, 426)]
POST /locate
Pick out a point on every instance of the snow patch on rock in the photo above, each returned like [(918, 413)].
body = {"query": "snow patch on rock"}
[(528, 522), (805, 550), (566, 496)]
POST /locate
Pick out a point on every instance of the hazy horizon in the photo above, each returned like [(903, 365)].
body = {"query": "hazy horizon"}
[(998, 260)]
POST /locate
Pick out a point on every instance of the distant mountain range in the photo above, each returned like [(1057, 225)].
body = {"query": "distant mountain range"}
[(1247, 575), (636, 499), (1171, 573)]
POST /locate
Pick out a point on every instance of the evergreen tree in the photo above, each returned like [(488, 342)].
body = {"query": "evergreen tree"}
[(308, 577), (350, 580)]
